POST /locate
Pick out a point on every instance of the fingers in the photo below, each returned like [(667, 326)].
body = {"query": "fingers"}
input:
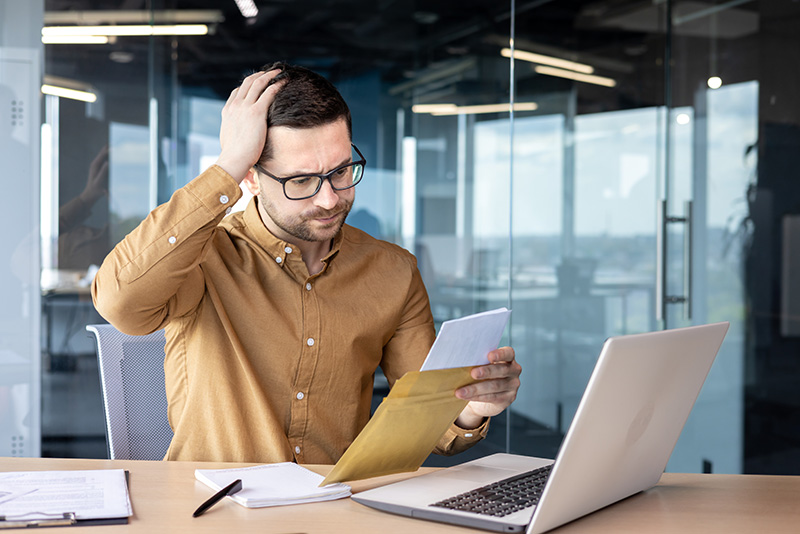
[(268, 95), (503, 364), (503, 354), (254, 86), (495, 390), (243, 130), (498, 382), (99, 160)]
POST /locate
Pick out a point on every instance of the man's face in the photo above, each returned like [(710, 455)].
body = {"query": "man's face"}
[(299, 151)]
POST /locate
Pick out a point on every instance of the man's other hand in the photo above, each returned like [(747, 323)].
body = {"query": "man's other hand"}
[(495, 389)]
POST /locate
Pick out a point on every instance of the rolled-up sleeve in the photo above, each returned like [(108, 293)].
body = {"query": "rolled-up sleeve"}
[(458, 439), (154, 273)]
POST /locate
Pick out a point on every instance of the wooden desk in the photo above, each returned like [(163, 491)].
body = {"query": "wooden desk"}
[(164, 495)]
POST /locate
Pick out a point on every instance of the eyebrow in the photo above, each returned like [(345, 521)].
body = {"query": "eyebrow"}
[(348, 159)]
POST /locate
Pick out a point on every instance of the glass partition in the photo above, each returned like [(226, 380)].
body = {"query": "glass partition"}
[(643, 181), (20, 326)]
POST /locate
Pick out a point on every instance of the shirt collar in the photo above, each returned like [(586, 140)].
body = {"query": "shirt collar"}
[(278, 248)]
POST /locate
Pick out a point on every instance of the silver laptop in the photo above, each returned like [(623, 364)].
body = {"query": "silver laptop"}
[(627, 423)]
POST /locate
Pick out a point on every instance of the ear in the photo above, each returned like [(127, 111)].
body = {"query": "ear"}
[(251, 182)]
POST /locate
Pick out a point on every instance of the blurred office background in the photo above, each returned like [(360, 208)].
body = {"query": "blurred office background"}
[(601, 167)]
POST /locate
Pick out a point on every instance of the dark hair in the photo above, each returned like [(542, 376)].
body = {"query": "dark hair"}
[(305, 101)]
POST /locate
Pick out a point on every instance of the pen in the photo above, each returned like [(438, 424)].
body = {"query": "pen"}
[(230, 489)]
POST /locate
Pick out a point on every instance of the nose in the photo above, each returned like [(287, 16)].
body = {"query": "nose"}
[(326, 197)]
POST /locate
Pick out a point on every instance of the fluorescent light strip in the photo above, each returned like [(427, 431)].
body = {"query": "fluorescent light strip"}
[(548, 60), (247, 7), (74, 94), (128, 30), (74, 39), (577, 76), (433, 108), (451, 109), (139, 16)]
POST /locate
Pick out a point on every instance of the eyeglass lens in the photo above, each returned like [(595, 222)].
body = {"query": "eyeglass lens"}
[(342, 178)]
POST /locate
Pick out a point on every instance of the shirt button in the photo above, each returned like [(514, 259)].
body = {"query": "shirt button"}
[(228, 211), (308, 286), (300, 395), (172, 240), (224, 199), (468, 435), (288, 250), (278, 259), (297, 449), (310, 342)]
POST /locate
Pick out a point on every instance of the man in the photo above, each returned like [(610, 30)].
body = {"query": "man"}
[(276, 318)]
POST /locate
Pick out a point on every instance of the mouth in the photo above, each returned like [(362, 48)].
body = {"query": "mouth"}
[(329, 219)]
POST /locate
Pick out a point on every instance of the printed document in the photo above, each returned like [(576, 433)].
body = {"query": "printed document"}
[(92, 494)]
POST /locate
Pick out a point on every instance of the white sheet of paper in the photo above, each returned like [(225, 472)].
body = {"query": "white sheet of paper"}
[(93, 494), (273, 484), (465, 342)]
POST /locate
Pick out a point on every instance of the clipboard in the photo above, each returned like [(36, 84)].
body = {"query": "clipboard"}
[(39, 519), (66, 519)]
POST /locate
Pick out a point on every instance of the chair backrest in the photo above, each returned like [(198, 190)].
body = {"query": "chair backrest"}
[(134, 396)]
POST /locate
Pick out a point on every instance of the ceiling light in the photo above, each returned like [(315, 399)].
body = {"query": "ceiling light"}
[(128, 30), (247, 7), (548, 60), (715, 82), (74, 39), (120, 56), (577, 76), (489, 108), (64, 92), (439, 110), (432, 108), (140, 16)]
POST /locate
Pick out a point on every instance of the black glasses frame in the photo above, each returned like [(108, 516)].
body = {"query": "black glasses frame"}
[(322, 177)]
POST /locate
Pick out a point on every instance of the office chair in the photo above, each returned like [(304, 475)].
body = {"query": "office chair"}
[(134, 397)]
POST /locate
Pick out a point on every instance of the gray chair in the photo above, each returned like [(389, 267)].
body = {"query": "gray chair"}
[(134, 397)]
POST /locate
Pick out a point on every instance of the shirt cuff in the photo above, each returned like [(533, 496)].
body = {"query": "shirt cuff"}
[(458, 439), (215, 189)]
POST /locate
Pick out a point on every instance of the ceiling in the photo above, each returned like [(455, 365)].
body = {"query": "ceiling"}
[(415, 46)]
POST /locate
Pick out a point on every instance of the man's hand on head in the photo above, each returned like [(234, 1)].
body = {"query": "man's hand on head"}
[(495, 389), (243, 132)]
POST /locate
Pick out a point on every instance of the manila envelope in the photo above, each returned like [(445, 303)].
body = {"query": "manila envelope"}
[(406, 427)]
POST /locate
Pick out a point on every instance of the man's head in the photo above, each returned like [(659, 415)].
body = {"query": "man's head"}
[(308, 133), (306, 100)]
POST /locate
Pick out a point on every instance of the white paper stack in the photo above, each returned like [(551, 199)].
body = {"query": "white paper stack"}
[(273, 484)]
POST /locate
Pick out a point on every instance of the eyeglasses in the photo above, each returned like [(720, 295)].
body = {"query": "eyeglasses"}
[(303, 186)]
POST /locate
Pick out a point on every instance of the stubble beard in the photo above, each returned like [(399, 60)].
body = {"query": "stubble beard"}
[(300, 226)]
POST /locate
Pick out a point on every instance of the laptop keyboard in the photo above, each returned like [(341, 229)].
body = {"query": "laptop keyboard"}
[(503, 497)]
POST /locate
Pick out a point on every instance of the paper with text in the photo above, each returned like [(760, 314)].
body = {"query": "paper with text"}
[(465, 342), (93, 494)]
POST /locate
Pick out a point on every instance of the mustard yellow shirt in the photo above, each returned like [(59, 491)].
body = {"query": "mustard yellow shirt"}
[(265, 363)]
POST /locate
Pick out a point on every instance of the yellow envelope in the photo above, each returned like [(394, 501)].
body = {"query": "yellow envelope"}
[(406, 426)]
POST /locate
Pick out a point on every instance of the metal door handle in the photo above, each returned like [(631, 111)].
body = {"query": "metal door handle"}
[(662, 298)]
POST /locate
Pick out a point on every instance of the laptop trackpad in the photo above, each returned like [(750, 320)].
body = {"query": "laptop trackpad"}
[(477, 473)]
